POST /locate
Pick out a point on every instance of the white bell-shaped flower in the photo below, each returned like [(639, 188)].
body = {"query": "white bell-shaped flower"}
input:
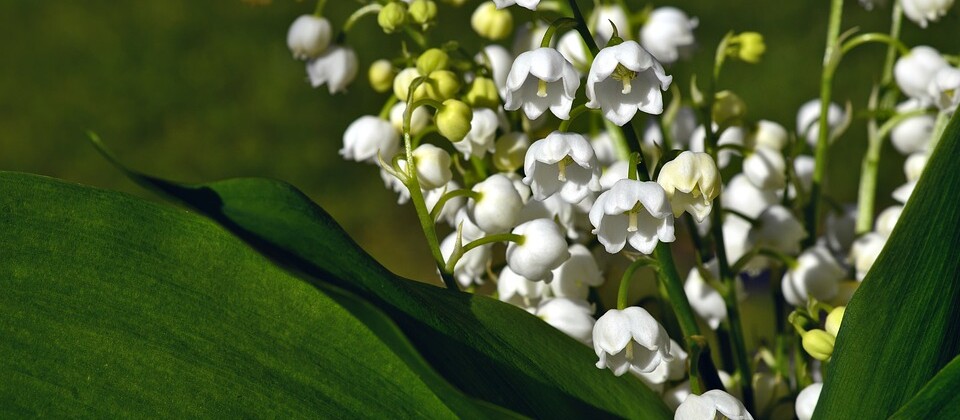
[(541, 79), (841, 229), (777, 228), (734, 136), (308, 36), (945, 89), (471, 267), (808, 120), (632, 211), (803, 167), (469, 230), (553, 207), (816, 275), (922, 12), (673, 370), (766, 168), (914, 72), (419, 119), (572, 47), (675, 396), (742, 196), (499, 61), (914, 165), (368, 136), (630, 338), (704, 299), (336, 67), (451, 207), (497, 209), (615, 172), (562, 162), (433, 166), (623, 79), (517, 290), (483, 131), (529, 4), (603, 146), (600, 19), (711, 405), (865, 251), (736, 237), (769, 134), (902, 193), (913, 134), (807, 400), (573, 317), (887, 220), (668, 34), (542, 250), (575, 276), (692, 182)]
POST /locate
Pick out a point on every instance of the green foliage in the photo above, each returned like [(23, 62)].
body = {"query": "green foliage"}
[(938, 399), (903, 324)]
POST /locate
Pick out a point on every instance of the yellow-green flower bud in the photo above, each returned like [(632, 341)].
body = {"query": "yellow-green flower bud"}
[(492, 23), (453, 119), (750, 47), (441, 85), (392, 16), (432, 60), (510, 150), (483, 93), (423, 12), (381, 75), (401, 83), (728, 109), (834, 318), (455, 3), (818, 344)]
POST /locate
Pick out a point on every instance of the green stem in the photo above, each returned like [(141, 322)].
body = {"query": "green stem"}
[(767, 252), (895, 24), (632, 166), (677, 297), (873, 37), (624, 290), (438, 208), (359, 13), (583, 29), (461, 251), (565, 124), (831, 59), (387, 106), (552, 30), (318, 10)]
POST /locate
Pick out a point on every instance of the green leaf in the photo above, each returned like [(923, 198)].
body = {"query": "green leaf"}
[(903, 324), (115, 307), (486, 348), (938, 399)]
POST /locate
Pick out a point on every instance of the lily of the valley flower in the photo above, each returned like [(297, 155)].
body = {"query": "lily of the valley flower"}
[(368, 136), (600, 22), (517, 290), (576, 275), (498, 60), (673, 370), (691, 182), (777, 228), (451, 207), (336, 67), (573, 317), (807, 401), (769, 134), (433, 166), (808, 118), (887, 220), (632, 211), (529, 4), (922, 12), (471, 267), (712, 404), (630, 338), (541, 79), (743, 196), (625, 78), (308, 36), (564, 163), (483, 131), (419, 119), (766, 168), (913, 134), (510, 150), (914, 72), (945, 89), (704, 299), (865, 251), (668, 34), (816, 275), (497, 209), (542, 249)]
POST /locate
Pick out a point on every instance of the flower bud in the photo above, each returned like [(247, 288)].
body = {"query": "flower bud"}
[(439, 86), (392, 16), (381, 76), (887, 220), (770, 134), (453, 120), (509, 151), (834, 319), (483, 93), (455, 3), (913, 72), (818, 344), (308, 37), (367, 137), (336, 67), (728, 109), (668, 34), (912, 134), (497, 209), (749, 47), (691, 181), (491, 23), (419, 119), (432, 60), (423, 12), (401, 83), (913, 166), (923, 12), (433, 166)]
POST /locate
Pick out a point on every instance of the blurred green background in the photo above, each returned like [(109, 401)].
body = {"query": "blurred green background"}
[(198, 91)]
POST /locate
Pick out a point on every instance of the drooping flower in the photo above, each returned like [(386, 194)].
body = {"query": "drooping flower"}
[(574, 317), (451, 207), (712, 404), (517, 290), (623, 79), (734, 136), (865, 251), (499, 61), (542, 249), (491, 23), (913, 72), (562, 162), (572, 47), (497, 209), (816, 275), (308, 36), (807, 401), (573, 278), (433, 166), (808, 118), (471, 267), (742, 196), (945, 89), (673, 370), (778, 229), (704, 299), (922, 12), (541, 79), (336, 67), (692, 182), (419, 119), (529, 4), (600, 23), (887, 220), (766, 168), (368, 136), (630, 338), (912, 134), (483, 131), (668, 34), (632, 211), (510, 150)]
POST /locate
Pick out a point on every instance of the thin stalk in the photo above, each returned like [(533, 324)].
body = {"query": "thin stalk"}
[(438, 207), (874, 37), (624, 290), (460, 251), (565, 124), (896, 21), (318, 10)]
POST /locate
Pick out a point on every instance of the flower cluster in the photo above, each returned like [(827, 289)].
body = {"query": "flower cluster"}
[(552, 166)]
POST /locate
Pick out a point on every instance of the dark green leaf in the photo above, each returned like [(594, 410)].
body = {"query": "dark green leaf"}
[(486, 348), (903, 324), (938, 399), (112, 307)]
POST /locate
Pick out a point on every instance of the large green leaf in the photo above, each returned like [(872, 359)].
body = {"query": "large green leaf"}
[(938, 399), (488, 349), (112, 306), (903, 324)]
